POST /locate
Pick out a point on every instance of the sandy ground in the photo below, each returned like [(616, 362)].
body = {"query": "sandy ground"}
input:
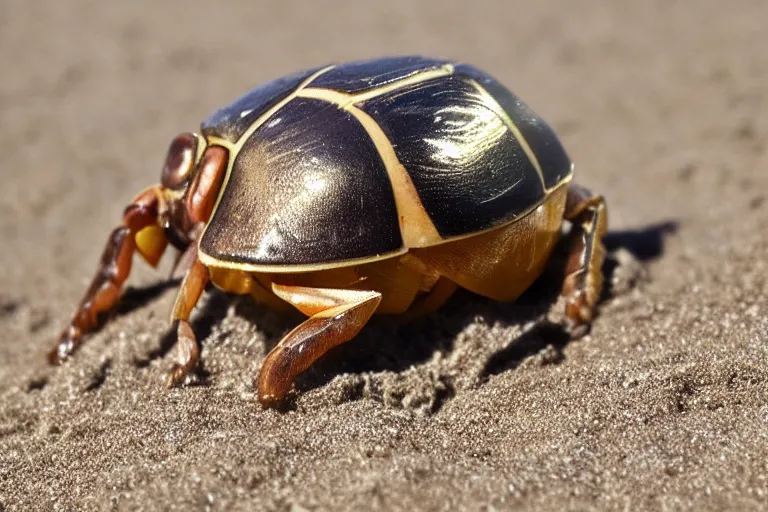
[(664, 107)]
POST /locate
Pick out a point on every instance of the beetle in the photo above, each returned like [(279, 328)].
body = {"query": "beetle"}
[(376, 186)]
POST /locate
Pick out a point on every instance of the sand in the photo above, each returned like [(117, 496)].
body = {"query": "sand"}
[(662, 105)]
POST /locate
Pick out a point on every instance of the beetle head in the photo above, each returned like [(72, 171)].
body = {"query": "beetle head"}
[(180, 162), (183, 202), (190, 182), (176, 178)]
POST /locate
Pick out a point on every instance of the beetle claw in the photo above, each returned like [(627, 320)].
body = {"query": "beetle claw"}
[(577, 331), (64, 348), (188, 355), (175, 376), (57, 355)]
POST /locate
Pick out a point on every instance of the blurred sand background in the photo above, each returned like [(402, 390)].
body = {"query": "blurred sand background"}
[(662, 104)]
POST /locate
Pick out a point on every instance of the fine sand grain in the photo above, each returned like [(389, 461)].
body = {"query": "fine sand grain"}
[(664, 107)]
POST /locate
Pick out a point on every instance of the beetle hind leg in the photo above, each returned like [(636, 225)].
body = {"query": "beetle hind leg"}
[(584, 278), (335, 317)]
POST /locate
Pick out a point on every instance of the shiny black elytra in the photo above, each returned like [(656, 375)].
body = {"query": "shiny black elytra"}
[(447, 126), (369, 187)]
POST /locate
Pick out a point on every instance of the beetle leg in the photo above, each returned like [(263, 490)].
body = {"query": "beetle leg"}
[(584, 276), (188, 350), (336, 316), (138, 232)]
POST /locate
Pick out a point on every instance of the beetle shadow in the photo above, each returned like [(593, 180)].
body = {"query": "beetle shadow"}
[(646, 243), (387, 346), (134, 298)]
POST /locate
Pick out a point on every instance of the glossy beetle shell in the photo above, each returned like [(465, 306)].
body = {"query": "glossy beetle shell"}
[(363, 161)]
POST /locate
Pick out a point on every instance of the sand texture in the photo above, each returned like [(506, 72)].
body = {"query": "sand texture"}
[(663, 105)]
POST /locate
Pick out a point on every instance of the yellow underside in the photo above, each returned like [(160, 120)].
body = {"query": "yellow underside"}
[(499, 264)]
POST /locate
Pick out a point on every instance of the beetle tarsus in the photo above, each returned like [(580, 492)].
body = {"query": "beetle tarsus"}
[(188, 355), (65, 347), (576, 330)]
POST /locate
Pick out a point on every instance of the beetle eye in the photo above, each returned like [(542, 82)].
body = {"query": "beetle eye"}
[(180, 161)]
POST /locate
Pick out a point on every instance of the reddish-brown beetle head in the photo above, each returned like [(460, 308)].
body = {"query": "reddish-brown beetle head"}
[(176, 178), (189, 185), (180, 161), (190, 180)]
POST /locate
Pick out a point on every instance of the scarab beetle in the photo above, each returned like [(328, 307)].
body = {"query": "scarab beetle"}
[(378, 186)]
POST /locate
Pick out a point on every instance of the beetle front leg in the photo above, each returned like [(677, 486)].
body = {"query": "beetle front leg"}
[(138, 232), (336, 316), (584, 277), (188, 350)]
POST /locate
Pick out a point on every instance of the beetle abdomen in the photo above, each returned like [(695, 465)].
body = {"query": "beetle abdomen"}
[(368, 159)]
